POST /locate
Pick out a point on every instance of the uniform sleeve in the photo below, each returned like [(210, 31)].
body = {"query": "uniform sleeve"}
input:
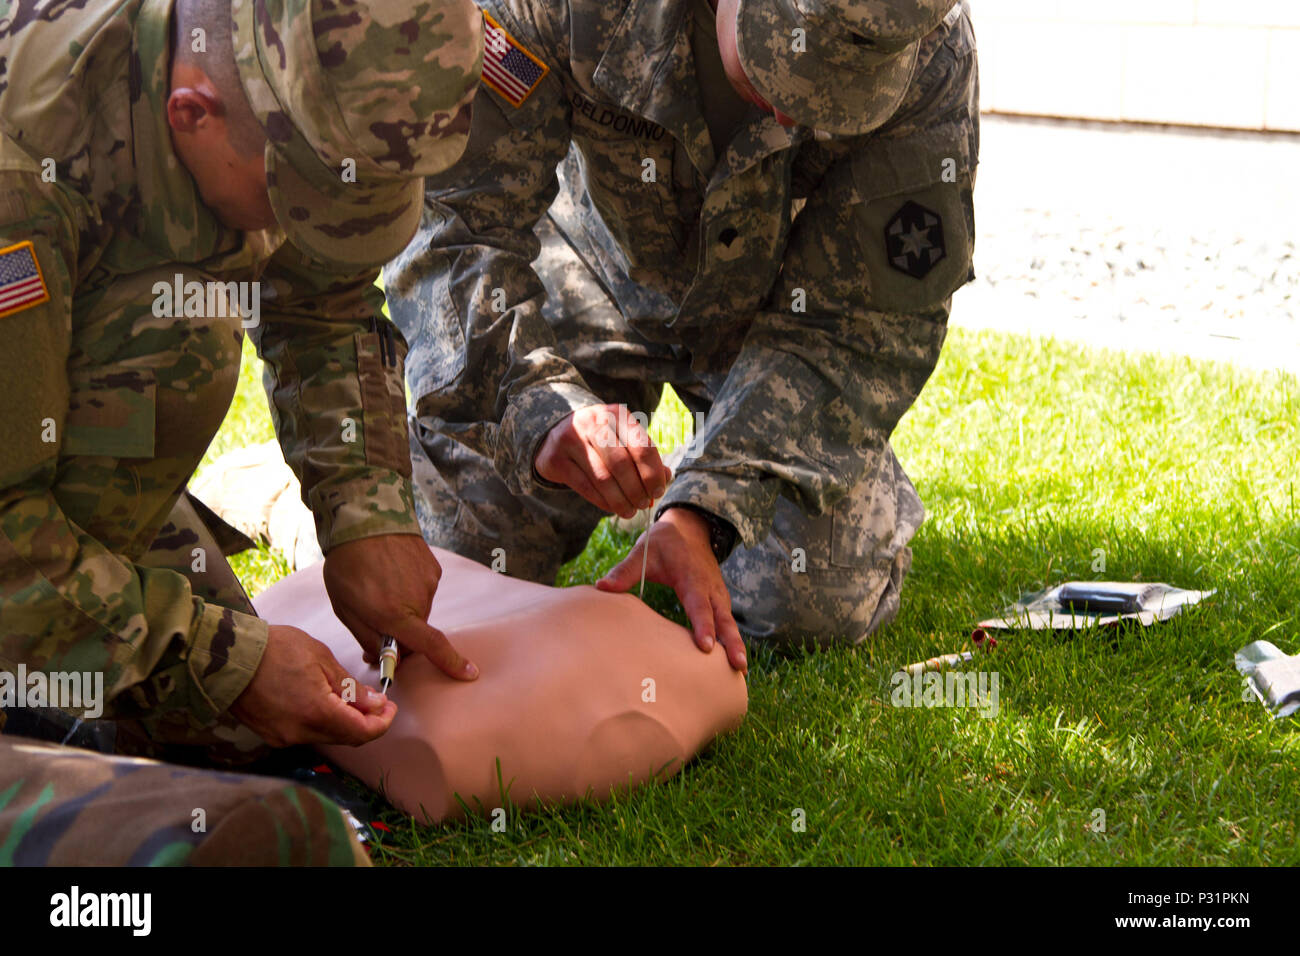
[(333, 377), (464, 292), (855, 323), (66, 601)]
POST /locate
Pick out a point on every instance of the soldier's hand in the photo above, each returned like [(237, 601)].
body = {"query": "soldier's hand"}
[(299, 696), (385, 585), (604, 454), (681, 558)]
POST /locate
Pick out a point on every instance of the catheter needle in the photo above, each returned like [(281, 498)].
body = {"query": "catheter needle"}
[(645, 550)]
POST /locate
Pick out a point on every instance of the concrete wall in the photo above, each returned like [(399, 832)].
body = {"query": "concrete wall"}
[(1233, 63)]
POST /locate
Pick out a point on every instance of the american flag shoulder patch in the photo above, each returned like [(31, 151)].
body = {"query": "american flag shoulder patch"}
[(21, 283), (508, 68)]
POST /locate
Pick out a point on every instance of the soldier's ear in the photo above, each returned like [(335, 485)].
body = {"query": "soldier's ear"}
[(191, 110)]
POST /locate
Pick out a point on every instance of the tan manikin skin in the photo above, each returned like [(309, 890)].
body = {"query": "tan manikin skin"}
[(562, 699)]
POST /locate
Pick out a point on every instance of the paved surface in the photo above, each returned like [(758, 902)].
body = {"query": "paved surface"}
[(1139, 238)]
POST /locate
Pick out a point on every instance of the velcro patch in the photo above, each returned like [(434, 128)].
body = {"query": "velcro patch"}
[(21, 283), (914, 240), (508, 68)]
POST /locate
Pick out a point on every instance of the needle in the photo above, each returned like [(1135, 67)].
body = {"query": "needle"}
[(387, 662), (645, 551)]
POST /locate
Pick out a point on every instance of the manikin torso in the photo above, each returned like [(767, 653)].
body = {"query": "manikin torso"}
[(580, 691)]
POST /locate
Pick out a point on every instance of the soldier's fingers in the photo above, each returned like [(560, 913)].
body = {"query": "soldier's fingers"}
[(432, 643), (700, 612), (598, 471), (369, 700), (361, 696), (627, 572), (371, 641), (331, 716), (338, 722), (572, 475), (635, 463), (649, 465), (350, 690), (356, 694), (665, 476), (622, 466), (729, 635)]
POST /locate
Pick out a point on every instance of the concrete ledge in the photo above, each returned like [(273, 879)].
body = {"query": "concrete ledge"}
[(1221, 63)]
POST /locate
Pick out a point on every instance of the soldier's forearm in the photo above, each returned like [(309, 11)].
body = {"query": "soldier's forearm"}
[(338, 402), (368, 503)]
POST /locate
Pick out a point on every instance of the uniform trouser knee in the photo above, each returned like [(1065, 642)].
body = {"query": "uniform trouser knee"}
[(463, 505), (818, 607), (829, 579)]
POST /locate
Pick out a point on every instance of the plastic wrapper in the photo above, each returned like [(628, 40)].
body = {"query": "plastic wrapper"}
[(1079, 605), (1273, 675)]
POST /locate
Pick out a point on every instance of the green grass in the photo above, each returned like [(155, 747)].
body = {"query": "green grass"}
[(1029, 456)]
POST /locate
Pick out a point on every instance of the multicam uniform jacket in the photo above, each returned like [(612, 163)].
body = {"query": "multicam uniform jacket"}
[(110, 400)]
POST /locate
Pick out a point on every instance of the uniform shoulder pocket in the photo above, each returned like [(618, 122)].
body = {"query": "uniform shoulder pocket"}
[(111, 414), (915, 207)]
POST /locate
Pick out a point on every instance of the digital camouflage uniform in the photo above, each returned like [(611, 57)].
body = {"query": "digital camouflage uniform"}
[(793, 285), (109, 406)]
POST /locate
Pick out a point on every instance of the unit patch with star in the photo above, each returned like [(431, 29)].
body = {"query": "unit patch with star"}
[(21, 283), (914, 240)]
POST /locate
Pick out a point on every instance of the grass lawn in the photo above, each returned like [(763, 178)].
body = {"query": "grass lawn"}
[(1030, 456)]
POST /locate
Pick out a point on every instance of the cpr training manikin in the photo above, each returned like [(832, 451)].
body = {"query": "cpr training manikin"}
[(580, 692)]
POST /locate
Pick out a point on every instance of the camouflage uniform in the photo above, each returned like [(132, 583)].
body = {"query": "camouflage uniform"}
[(60, 806), (110, 405), (793, 285)]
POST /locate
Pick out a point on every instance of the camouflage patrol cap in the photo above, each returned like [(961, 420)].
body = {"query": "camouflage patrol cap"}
[(848, 69), (359, 99)]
